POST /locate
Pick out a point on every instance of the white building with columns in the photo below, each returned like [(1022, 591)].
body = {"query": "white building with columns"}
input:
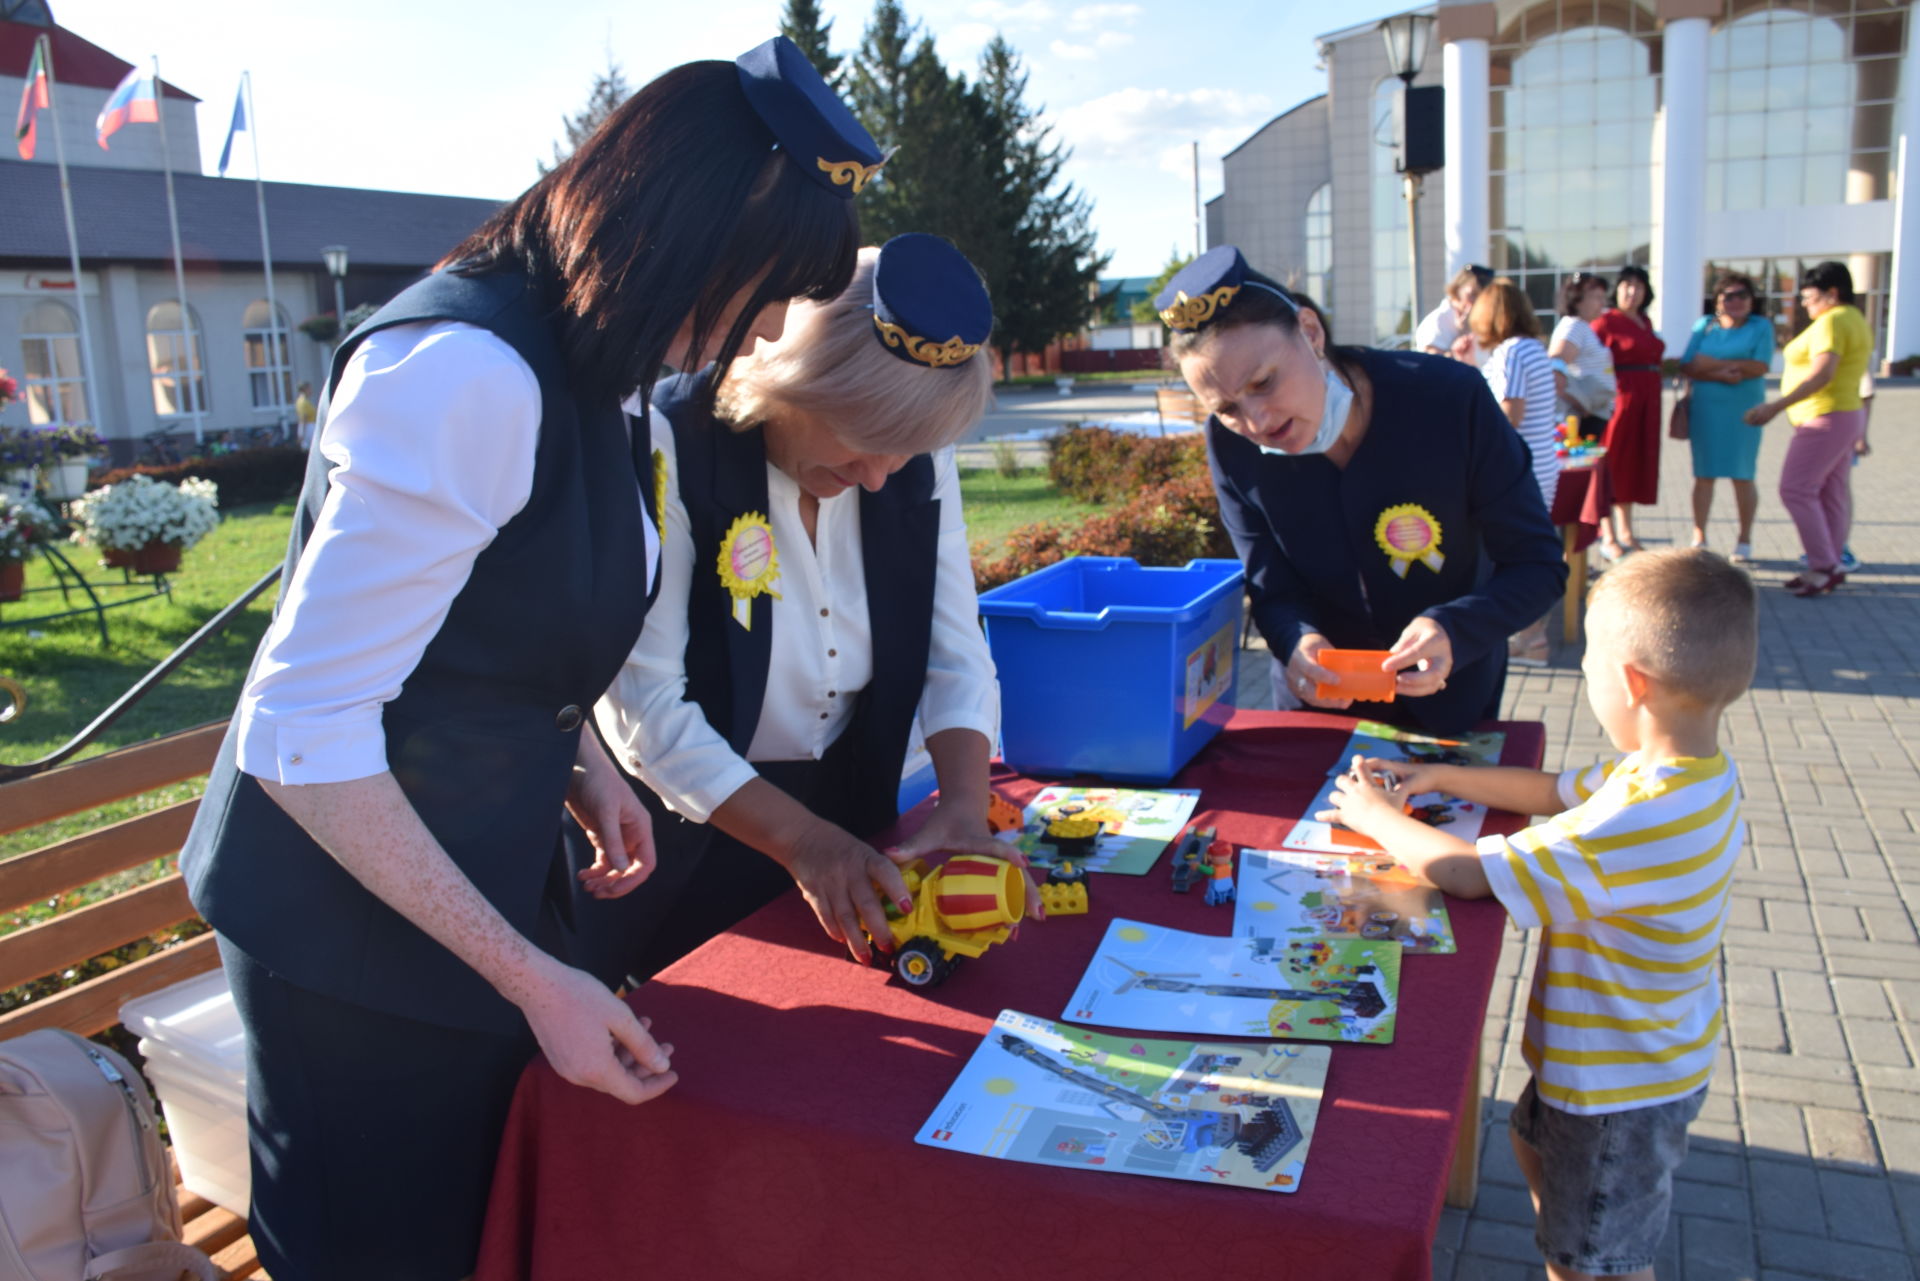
[(1684, 136)]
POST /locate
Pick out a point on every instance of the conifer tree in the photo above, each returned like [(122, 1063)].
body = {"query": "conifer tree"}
[(801, 24), (610, 89)]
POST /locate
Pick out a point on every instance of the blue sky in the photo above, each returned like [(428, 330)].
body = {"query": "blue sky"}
[(463, 98)]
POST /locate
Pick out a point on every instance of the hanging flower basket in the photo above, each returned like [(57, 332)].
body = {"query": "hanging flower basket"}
[(116, 557), (65, 479), (13, 579), (157, 558)]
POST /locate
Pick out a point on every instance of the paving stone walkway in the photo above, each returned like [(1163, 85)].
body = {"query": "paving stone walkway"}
[(1806, 1159)]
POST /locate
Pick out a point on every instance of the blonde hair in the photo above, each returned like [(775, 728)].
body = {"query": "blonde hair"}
[(1502, 312), (831, 364), (1683, 616)]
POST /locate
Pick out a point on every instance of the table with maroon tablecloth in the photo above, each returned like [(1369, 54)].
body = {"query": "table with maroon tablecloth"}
[(787, 1149), (1580, 503)]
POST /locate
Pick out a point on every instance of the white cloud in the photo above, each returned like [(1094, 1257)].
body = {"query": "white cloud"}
[(1073, 52), (1112, 40), (1000, 13), (1130, 123), (1087, 15)]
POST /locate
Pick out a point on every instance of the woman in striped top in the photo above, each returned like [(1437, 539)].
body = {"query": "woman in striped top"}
[(1629, 884), (1521, 377)]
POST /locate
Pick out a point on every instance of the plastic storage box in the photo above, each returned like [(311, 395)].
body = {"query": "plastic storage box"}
[(195, 1049), (1111, 668)]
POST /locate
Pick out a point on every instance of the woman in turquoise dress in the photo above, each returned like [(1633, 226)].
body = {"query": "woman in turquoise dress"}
[(1727, 358)]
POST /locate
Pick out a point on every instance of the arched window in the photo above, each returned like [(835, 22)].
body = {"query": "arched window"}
[(179, 372), (269, 365), (1319, 229), (55, 381)]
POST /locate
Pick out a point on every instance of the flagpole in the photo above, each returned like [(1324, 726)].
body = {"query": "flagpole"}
[(194, 388), (94, 404), (282, 345)]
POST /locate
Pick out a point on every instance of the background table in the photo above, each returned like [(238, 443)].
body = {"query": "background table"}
[(787, 1149), (1582, 500)]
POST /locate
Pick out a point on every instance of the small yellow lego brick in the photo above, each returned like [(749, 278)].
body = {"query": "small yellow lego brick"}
[(1065, 900)]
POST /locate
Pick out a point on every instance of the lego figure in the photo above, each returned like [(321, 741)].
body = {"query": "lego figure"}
[(1220, 887)]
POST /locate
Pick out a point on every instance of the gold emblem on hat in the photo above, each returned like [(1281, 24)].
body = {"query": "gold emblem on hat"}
[(845, 172), (938, 355), (1191, 313)]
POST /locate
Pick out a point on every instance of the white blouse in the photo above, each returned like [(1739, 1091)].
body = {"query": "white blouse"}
[(1591, 359), (413, 501), (822, 653)]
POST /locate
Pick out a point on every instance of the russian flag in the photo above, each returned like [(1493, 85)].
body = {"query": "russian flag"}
[(26, 128), (135, 101)]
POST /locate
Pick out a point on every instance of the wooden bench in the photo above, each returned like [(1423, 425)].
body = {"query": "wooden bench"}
[(1177, 404), (72, 937)]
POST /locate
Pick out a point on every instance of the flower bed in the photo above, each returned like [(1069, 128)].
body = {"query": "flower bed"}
[(140, 516)]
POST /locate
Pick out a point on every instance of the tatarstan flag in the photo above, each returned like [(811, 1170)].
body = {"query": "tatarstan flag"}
[(134, 101), (32, 100)]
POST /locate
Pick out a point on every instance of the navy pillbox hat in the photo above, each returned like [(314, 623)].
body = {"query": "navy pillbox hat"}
[(1205, 286), (808, 120), (929, 304)]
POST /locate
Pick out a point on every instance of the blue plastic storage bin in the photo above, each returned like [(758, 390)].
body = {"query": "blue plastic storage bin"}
[(1111, 668)]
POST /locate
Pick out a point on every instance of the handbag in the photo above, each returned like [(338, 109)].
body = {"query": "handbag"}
[(1680, 421)]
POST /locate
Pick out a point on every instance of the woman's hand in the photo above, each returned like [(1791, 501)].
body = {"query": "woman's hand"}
[(842, 879), (591, 1037), (1360, 800), (1423, 657), (1304, 673), (602, 802), (958, 829), (1761, 415)]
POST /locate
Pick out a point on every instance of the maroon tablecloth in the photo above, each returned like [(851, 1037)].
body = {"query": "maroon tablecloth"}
[(1583, 499), (787, 1148)]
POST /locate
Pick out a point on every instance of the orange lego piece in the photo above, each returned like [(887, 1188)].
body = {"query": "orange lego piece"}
[(1359, 672)]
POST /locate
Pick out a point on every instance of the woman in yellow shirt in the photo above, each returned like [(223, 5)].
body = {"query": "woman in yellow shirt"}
[(1820, 392)]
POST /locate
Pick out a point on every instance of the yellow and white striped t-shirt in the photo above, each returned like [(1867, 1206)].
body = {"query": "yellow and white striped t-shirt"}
[(1630, 885)]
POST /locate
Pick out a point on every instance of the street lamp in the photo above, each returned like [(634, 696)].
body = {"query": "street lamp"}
[(1407, 35), (335, 256)]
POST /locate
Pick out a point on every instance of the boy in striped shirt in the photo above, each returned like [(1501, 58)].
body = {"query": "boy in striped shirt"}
[(1628, 882)]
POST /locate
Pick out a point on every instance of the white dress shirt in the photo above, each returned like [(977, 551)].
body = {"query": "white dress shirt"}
[(822, 652), (432, 430)]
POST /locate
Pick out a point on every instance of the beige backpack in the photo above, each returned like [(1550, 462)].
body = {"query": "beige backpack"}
[(85, 1189)]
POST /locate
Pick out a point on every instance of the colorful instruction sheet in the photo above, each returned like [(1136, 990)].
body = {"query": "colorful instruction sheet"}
[(1135, 825), (1286, 894), (1446, 813), (1309, 988), (1209, 1112)]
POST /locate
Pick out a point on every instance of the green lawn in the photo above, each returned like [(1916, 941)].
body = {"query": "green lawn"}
[(997, 505), (69, 678)]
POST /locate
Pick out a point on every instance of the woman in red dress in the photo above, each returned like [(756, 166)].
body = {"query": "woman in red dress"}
[(1633, 433)]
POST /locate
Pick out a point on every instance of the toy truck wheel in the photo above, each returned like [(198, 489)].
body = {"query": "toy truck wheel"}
[(921, 965)]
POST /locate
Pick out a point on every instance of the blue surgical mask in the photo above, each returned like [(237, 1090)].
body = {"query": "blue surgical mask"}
[(1333, 418)]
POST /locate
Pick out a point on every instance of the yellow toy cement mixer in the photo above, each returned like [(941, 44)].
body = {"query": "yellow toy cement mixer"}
[(960, 909)]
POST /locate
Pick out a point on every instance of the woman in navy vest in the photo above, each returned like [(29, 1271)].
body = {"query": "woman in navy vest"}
[(816, 592), (469, 568), (1380, 500)]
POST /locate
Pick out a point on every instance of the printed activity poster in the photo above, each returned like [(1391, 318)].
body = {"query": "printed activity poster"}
[(1372, 739), (1210, 1112), (1290, 893), (1309, 988), (1209, 673), (1134, 825)]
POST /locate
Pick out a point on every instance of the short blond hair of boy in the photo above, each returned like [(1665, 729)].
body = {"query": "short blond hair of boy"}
[(1685, 617)]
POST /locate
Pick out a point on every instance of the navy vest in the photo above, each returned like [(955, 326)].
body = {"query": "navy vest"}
[(723, 475), (482, 736)]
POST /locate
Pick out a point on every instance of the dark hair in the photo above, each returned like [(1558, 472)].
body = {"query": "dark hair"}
[(1632, 273), (1736, 280), (1468, 275), (674, 205), (1575, 287), (1269, 305), (1830, 275)]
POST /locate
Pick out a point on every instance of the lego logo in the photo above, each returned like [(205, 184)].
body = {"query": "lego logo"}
[(943, 1136)]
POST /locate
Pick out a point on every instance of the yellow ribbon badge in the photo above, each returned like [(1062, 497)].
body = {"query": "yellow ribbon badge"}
[(660, 494), (1408, 532), (749, 564)]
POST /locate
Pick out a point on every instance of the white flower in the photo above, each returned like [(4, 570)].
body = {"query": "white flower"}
[(23, 522), (141, 510)]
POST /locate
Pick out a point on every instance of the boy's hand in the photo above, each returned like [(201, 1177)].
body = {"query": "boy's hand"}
[(1410, 777), (1359, 802)]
